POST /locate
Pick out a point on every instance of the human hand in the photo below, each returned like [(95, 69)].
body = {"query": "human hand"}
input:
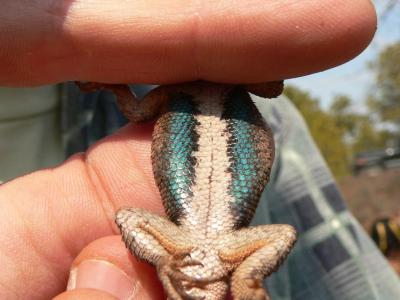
[(49, 217), (162, 42)]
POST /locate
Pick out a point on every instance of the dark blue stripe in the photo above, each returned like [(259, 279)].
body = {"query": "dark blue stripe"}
[(180, 142), (249, 176)]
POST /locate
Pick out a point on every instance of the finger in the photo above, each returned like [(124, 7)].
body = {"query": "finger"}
[(85, 294), (47, 217), (106, 265), (158, 42)]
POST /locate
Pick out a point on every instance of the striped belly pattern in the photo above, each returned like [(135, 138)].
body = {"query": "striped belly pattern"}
[(211, 157)]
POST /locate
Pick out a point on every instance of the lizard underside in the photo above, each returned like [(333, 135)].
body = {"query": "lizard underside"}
[(212, 154)]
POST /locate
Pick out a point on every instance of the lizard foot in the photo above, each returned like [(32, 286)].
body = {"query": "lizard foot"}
[(183, 259), (176, 283), (173, 264)]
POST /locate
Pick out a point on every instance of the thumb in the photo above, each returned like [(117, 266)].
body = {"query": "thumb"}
[(85, 294), (105, 270)]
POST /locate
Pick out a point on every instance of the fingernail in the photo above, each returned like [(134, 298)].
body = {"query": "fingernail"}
[(104, 276)]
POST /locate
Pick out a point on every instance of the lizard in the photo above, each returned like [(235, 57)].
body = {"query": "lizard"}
[(212, 154)]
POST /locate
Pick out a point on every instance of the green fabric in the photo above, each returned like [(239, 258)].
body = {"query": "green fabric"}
[(29, 130), (334, 259)]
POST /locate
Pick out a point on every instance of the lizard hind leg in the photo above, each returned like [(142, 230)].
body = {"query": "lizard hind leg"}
[(256, 252), (151, 237), (160, 242), (186, 270)]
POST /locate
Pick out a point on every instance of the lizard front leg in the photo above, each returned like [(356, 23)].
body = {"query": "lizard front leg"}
[(134, 109), (270, 89), (256, 252)]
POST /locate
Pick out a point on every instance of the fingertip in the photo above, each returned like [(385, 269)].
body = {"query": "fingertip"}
[(85, 294), (285, 39)]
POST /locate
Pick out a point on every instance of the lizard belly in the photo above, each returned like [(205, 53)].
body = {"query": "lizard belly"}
[(212, 155), (207, 210)]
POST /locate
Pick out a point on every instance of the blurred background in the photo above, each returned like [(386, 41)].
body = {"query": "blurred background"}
[(353, 113)]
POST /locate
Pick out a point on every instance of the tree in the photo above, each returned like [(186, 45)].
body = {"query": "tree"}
[(327, 135), (386, 101), (345, 119), (359, 130), (339, 132), (368, 138)]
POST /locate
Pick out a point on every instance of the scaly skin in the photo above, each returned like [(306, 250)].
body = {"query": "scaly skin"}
[(212, 153)]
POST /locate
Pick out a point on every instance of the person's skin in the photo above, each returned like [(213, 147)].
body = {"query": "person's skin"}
[(59, 217)]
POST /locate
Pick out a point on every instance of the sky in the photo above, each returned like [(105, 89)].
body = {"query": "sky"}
[(354, 79)]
